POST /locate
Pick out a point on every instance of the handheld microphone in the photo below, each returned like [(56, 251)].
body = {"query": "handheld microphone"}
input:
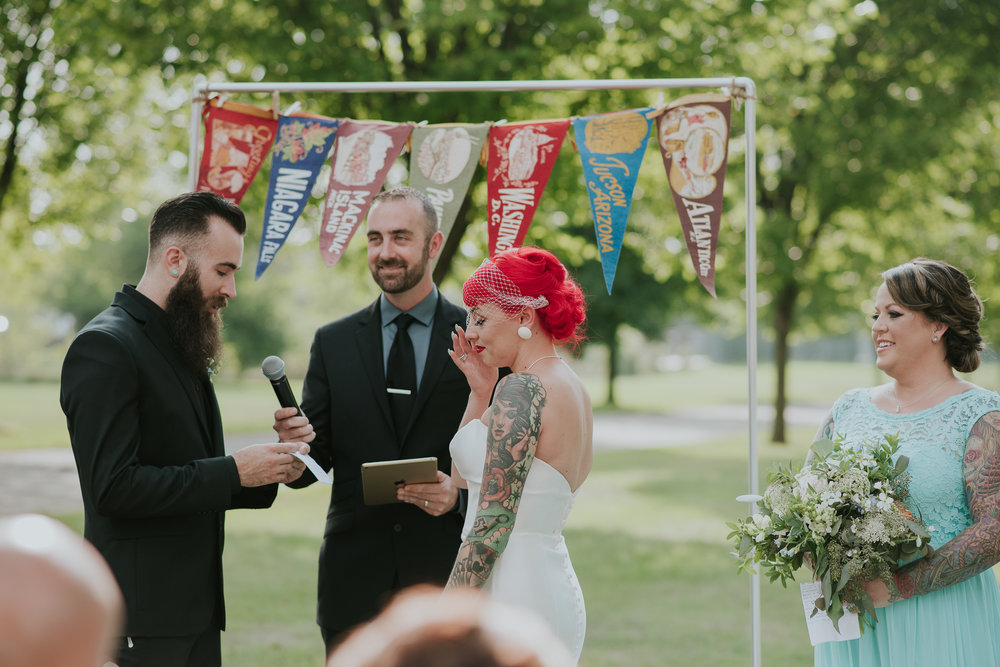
[(274, 370)]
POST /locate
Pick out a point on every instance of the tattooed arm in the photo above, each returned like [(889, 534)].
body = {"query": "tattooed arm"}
[(515, 421), (977, 547)]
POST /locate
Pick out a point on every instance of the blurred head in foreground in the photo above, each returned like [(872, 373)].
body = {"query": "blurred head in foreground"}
[(59, 603), (425, 627)]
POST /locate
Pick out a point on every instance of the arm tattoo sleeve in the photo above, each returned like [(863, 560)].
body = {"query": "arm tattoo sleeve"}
[(515, 422), (977, 547)]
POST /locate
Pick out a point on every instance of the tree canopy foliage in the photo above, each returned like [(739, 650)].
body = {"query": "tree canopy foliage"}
[(876, 142)]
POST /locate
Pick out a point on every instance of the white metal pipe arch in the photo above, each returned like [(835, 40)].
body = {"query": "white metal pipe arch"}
[(747, 90)]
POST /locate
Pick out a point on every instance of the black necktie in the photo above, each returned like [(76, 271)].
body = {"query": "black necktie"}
[(401, 374)]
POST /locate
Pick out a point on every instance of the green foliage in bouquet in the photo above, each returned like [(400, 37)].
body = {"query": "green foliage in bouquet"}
[(844, 515)]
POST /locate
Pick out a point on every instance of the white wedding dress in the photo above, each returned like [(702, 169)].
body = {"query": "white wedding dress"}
[(534, 571)]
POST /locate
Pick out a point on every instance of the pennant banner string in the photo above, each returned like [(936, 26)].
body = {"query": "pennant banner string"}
[(518, 156)]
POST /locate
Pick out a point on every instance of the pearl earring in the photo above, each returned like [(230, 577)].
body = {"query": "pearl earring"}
[(935, 339), (524, 332), (173, 272)]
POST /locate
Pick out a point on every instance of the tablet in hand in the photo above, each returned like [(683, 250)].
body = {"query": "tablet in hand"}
[(380, 479)]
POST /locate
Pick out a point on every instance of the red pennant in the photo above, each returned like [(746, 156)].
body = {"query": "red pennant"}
[(520, 162), (237, 139), (362, 156)]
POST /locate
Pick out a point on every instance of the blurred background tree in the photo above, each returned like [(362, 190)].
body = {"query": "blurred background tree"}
[(877, 141)]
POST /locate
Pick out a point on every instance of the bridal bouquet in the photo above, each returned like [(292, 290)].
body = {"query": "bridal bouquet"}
[(843, 515)]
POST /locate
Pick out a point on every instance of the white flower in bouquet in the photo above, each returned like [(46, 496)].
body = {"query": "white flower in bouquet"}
[(778, 499), (760, 527), (820, 518), (807, 483), (875, 528), (854, 483)]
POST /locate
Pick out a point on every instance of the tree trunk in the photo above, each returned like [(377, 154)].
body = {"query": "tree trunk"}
[(784, 309), (36, 19), (442, 266), (612, 367), (10, 150)]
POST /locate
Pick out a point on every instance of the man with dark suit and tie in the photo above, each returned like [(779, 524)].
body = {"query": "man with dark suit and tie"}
[(380, 386), (147, 435)]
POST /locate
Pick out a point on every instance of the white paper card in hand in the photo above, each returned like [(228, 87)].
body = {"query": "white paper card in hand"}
[(314, 468), (820, 626)]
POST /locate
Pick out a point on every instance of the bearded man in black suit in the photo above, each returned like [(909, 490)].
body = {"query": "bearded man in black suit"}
[(147, 435)]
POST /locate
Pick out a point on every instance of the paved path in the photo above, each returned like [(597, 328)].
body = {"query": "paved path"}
[(44, 480)]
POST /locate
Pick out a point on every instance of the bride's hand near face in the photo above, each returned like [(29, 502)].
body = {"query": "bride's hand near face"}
[(482, 378)]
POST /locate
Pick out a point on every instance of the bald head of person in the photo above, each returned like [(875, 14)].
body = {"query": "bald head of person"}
[(459, 627), (60, 605)]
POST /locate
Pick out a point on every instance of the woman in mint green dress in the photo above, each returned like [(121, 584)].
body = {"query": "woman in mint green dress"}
[(942, 610)]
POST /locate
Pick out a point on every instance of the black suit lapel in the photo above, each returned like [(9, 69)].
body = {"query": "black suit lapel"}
[(215, 417), (368, 339), (437, 357)]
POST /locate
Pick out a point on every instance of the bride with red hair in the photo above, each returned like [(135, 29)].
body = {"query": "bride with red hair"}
[(524, 456)]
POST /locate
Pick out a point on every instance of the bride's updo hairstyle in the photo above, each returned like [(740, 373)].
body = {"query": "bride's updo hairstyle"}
[(530, 277), (943, 294)]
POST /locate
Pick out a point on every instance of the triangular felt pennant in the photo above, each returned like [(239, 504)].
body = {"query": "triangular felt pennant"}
[(443, 159), (521, 159), (693, 135), (299, 153), (237, 138), (611, 147), (362, 155)]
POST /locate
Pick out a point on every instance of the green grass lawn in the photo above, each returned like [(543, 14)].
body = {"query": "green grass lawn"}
[(647, 538), (647, 535), (811, 383), (30, 416)]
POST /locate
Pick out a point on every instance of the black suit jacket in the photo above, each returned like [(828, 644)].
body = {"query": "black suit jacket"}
[(147, 438), (367, 550)]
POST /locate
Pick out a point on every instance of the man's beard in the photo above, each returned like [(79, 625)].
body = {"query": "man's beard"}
[(195, 331), (410, 277)]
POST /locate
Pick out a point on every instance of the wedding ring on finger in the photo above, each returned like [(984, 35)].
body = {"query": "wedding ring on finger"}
[(463, 356)]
